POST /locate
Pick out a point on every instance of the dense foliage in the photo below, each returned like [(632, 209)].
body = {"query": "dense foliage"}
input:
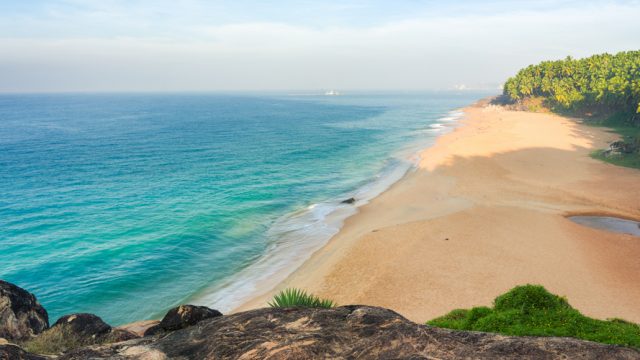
[(531, 310), (605, 83), (299, 298)]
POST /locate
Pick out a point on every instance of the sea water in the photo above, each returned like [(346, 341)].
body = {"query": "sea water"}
[(125, 205)]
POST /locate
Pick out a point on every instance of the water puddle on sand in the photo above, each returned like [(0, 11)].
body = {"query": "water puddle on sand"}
[(608, 223)]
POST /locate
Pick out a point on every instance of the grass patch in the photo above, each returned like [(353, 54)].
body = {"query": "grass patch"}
[(299, 298), (626, 160), (630, 133), (60, 339), (531, 310), (55, 341)]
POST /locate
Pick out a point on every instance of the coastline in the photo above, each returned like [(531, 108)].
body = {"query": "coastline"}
[(306, 231), (461, 229)]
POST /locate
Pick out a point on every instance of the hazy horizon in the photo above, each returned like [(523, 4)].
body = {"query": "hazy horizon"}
[(199, 46)]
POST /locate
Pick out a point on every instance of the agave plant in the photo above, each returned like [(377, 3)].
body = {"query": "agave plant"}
[(299, 298)]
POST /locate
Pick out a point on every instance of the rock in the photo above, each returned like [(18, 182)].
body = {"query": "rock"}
[(83, 325), (186, 315), (14, 352), (360, 332), (21, 315), (154, 330), (620, 148), (348, 201)]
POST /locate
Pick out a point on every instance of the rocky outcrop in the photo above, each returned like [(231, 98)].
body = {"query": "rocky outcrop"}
[(359, 332), (181, 317), (21, 315)]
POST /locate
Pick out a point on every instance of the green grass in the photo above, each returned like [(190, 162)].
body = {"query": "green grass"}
[(620, 124), (530, 310), (627, 160), (299, 298), (57, 340), (60, 339)]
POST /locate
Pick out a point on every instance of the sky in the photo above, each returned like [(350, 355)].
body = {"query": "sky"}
[(197, 45)]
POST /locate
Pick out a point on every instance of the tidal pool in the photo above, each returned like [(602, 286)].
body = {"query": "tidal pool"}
[(608, 223)]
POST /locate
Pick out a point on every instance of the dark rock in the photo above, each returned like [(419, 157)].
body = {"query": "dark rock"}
[(186, 315), (14, 352), (83, 325), (117, 335), (21, 315), (154, 330), (354, 332), (621, 148), (348, 201)]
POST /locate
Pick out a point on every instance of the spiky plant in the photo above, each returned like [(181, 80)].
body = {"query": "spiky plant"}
[(299, 298)]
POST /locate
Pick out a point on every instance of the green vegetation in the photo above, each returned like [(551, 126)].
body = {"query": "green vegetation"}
[(299, 298), (59, 339), (603, 83), (605, 89), (629, 133), (530, 310)]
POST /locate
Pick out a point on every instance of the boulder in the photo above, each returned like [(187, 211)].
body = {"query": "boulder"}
[(21, 315), (348, 201), (347, 332), (186, 315), (83, 325)]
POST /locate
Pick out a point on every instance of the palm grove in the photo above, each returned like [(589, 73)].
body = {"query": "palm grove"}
[(605, 84)]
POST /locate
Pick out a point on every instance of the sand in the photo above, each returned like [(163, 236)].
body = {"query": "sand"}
[(486, 211)]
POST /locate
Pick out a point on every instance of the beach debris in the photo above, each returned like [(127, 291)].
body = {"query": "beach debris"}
[(21, 315), (348, 201)]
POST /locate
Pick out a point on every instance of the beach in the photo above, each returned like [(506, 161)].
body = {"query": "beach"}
[(486, 210)]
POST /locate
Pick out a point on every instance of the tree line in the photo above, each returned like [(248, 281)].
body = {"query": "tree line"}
[(600, 83)]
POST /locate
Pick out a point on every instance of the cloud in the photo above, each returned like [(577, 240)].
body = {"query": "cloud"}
[(415, 52)]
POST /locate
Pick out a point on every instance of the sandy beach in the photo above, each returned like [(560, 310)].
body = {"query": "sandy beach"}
[(486, 211)]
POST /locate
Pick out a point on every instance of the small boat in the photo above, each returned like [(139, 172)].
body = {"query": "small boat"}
[(331, 93)]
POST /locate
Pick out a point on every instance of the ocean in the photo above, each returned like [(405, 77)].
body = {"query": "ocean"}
[(125, 205)]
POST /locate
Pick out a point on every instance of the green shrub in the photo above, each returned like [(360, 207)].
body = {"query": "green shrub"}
[(529, 298), (55, 341), (299, 298), (531, 310)]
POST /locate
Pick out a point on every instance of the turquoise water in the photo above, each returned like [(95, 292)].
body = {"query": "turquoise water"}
[(124, 205)]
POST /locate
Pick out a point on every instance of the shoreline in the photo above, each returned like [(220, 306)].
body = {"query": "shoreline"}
[(458, 230), (290, 253)]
